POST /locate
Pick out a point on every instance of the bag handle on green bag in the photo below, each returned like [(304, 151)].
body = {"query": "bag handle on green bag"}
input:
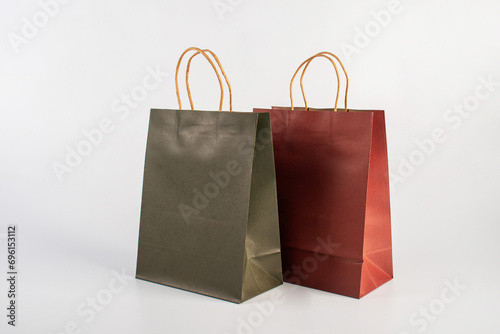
[(223, 73), (306, 63), (203, 52), (189, 93)]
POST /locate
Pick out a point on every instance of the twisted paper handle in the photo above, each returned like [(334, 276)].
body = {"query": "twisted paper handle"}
[(203, 52), (306, 63), (223, 73)]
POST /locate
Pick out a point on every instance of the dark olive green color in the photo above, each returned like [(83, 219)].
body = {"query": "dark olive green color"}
[(209, 217)]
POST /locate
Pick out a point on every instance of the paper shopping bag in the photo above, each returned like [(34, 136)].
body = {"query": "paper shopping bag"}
[(209, 220), (333, 196)]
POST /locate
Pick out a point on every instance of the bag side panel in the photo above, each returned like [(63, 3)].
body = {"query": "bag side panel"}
[(377, 250), (262, 244)]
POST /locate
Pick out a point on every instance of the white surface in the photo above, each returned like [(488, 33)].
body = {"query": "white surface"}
[(74, 233)]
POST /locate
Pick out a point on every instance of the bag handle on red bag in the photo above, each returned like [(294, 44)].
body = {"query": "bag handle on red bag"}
[(189, 93), (223, 73), (306, 63), (321, 54)]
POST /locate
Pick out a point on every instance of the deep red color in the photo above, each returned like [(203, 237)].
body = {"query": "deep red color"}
[(333, 198)]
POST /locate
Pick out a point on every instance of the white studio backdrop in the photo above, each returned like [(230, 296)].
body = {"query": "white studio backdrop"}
[(70, 67)]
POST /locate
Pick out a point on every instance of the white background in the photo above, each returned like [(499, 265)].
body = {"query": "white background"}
[(73, 234)]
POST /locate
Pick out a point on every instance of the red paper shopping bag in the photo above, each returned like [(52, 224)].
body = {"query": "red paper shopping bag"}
[(333, 195)]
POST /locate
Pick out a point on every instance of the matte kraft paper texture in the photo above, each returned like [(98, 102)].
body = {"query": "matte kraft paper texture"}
[(209, 219), (333, 196)]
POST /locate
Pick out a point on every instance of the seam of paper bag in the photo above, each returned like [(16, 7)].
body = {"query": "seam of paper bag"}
[(373, 264), (346, 259), (166, 249), (368, 180), (265, 272), (245, 255), (217, 127), (177, 122), (250, 265), (330, 126), (369, 274), (379, 250), (287, 121), (265, 254)]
